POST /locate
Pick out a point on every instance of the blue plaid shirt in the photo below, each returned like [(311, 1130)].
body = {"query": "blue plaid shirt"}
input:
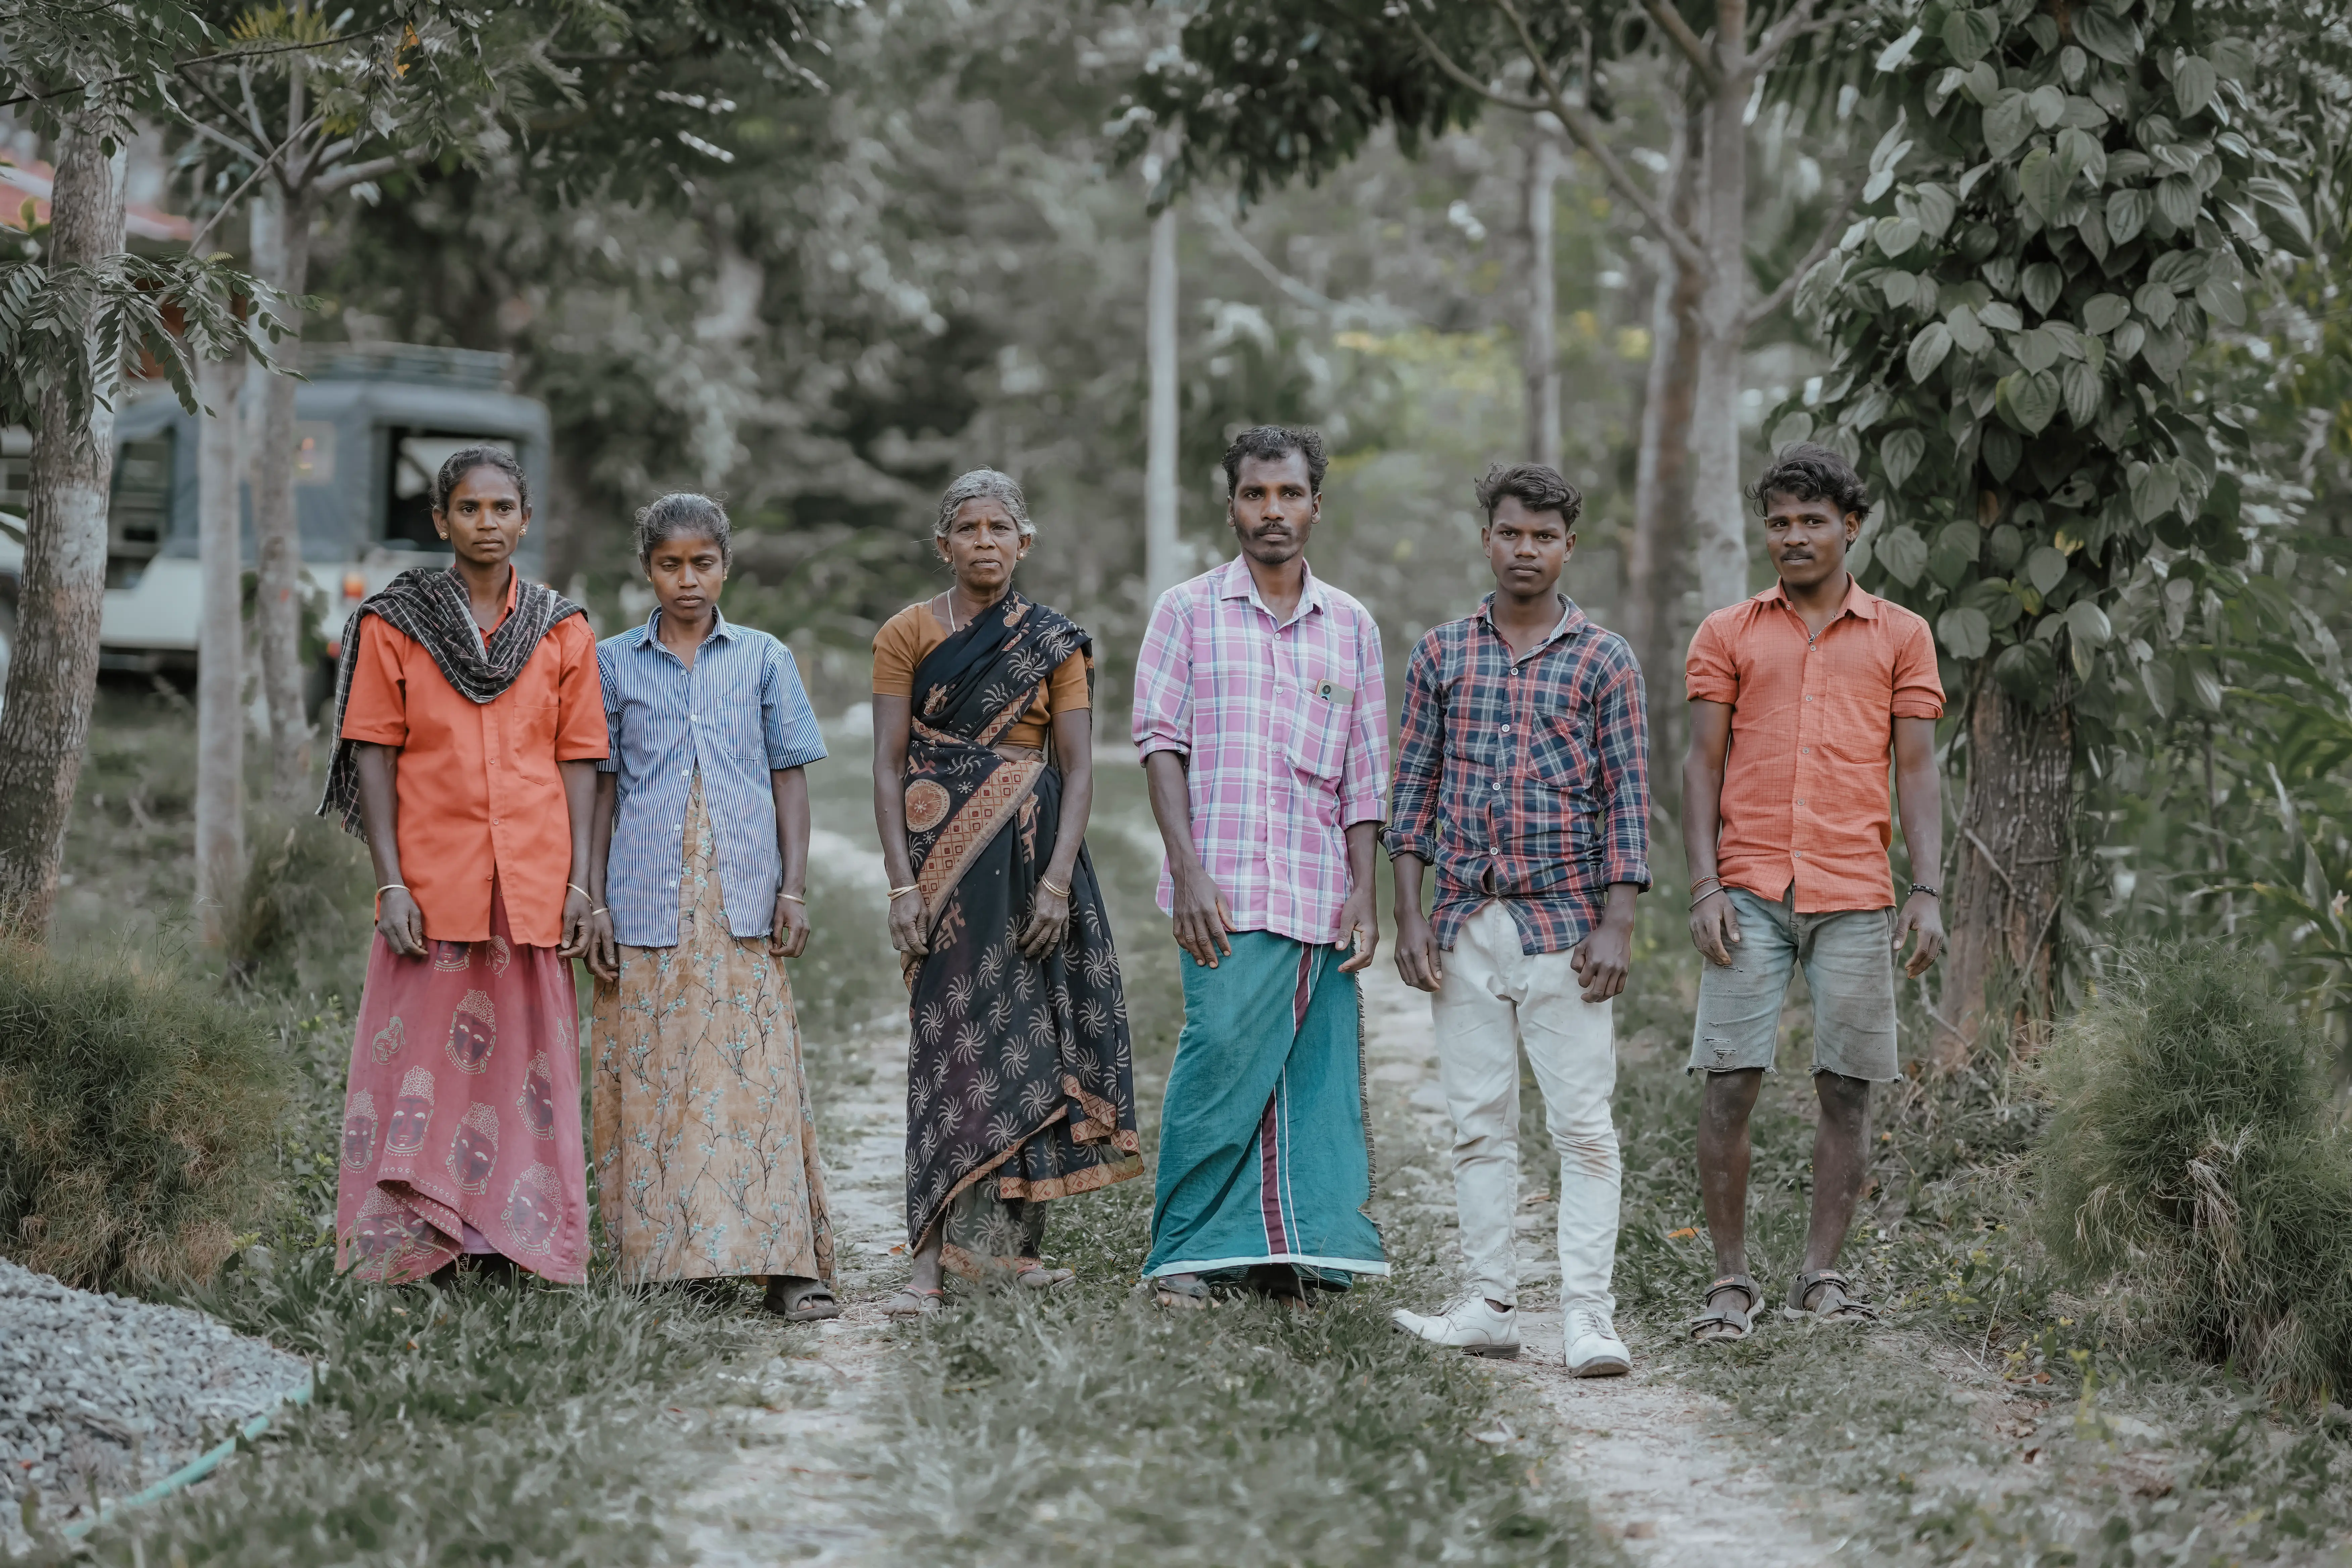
[(737, 715), (1507, 766)]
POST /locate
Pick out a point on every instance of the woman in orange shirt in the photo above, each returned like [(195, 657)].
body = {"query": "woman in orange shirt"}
[(469, 722)]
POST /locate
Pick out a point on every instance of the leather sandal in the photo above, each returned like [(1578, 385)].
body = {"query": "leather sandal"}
[(1727, 1324), (1186, 1293), (1839, 1302)]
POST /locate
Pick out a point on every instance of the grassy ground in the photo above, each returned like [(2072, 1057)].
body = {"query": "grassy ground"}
[(1979, 1424)]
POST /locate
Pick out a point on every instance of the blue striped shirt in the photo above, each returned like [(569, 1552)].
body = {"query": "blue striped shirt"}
[(738, 713)]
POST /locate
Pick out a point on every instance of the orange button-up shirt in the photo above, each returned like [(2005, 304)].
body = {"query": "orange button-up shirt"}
[(481, 800), (1812, 729)]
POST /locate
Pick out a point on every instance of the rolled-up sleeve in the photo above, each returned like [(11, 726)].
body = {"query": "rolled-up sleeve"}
[(1364, 782), (610, 763), (1710, 675), (1919, 690), (1421, 752), (787, 721), (1621, 724), (1162, 710), (375, 710)]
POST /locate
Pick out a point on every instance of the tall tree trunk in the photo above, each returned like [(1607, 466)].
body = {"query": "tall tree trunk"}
[(1651, 617), (1721, 534), (282, 255), (1539, 341), (1160, 568), (2004, 885), (220, 654), (53, 680)]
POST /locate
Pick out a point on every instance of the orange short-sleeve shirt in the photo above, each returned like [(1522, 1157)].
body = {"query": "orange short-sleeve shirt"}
[(908, 639), (1805, 797), (481, 800)]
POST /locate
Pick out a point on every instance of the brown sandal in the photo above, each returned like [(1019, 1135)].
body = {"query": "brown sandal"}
[(1849, 1307), (1727, 1324)]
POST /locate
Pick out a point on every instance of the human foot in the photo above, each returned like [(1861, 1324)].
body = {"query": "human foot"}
[(797, 1299), (1593, 1347), (1827, 1296), (912, 1302), (1472, 1325), (1723, 1320), (1179, 1291)]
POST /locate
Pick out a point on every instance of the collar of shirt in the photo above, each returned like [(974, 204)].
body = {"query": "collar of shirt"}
[(1856, 602), (1572, 620), (651, 631), (1240, 585), (514, 589)]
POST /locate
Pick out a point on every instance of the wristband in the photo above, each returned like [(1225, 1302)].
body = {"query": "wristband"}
[(1708, 894), (1936, 893)]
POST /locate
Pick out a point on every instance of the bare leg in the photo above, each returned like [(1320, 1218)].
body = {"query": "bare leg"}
[(1723, 1160), (927, 1263), (1841, 1159)]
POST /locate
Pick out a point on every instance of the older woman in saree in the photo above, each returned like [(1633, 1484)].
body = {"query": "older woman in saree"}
[(1018, 1084)]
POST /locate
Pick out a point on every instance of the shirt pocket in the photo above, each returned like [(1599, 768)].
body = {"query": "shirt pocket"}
[(1561, 752), (735, 730), (1320, 719)]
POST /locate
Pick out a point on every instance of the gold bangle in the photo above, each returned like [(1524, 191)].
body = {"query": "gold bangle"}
[(897, 893), (794, 897), (583, 892), (1057, 893)]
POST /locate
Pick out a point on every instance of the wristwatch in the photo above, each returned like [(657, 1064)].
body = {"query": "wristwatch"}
[(1931, 892)]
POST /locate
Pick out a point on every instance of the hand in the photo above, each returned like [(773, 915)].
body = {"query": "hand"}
[(1419, 962), (1049, 921), (1715, 928), (906, 924), (604, 950), (1359, 926), (789, 937), (1601, 959), (576, 923), (1922, 913), (1201, 915), (400, 922)]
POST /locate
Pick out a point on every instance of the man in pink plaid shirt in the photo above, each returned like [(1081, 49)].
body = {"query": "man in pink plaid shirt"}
[(1263, 723)]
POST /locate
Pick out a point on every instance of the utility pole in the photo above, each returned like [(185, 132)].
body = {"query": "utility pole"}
[(1162, 565)]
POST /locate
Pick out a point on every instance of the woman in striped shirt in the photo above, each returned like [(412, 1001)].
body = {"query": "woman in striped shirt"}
[(705, 1153)]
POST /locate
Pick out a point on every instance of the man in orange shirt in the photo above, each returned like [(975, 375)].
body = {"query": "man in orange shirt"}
[(468, 727), (1797, 696)]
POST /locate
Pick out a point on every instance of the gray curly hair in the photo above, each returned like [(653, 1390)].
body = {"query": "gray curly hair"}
[(985, 484)]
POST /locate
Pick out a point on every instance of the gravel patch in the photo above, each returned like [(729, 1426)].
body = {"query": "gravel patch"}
[(101, 1393)]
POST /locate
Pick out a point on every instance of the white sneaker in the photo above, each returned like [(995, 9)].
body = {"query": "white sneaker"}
[(1469, 1324), (1593, 1347)]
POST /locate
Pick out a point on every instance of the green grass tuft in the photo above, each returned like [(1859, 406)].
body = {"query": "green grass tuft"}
[(2189, 1172), (137, 1113)]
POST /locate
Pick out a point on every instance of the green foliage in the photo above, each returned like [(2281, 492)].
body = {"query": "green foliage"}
[(2191, 1173), (136, 1118), (2057, 217), (302, 919)]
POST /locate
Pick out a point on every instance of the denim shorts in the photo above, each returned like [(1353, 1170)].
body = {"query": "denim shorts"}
[(1849, 963)]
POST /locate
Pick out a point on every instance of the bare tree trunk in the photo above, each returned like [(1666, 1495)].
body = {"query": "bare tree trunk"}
[(220, 654), (1160, 568), (1538, 344), (1654, 575), (53, 680), (2005, 883), (1721, 535), (282, 255)]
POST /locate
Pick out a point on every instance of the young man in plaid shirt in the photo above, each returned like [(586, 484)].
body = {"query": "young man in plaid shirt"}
[(1523, 776)]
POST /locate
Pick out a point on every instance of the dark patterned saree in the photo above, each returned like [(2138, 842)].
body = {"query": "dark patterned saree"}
[(1019, 1085)]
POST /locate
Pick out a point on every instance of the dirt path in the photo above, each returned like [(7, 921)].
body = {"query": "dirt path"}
[(785, 1478), (1654, 1459)]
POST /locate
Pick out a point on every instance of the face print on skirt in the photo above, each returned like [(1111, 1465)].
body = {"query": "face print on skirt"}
[(452, 957), (386, 1229), (473, 1032), (535, 1207), (411, 1114), (475, 1149), (359, 1131), (388, 1040), (537, 1101)]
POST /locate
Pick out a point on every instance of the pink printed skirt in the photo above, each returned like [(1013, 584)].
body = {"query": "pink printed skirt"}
[(463, 1112)]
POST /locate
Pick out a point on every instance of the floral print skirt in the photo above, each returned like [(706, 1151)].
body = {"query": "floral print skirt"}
[(705, 1153)]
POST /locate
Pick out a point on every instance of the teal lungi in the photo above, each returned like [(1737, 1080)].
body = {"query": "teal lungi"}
[(1264, 1153)]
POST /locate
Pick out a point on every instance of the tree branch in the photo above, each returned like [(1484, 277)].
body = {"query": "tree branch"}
[(1824, 243), (1239, 243), (1693, 47), (182, 67), (231, 142), (1586, 133), (1798, 22), (351, 175), (228, 205)]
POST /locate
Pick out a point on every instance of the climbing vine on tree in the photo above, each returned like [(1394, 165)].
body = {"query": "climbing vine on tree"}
[(2068, 199)]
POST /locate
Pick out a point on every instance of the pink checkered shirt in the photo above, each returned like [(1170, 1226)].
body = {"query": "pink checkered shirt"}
[(1286, 730)]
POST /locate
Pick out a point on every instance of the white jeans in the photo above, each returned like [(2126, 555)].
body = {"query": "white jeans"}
[(1494, 999)]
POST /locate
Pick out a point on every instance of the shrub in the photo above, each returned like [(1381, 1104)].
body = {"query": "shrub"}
[(136, 1119), (2190, 1168), (303, 914)]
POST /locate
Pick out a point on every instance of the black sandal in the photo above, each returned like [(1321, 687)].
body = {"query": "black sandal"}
[(801, 1301), (1727, 1324), (1850, 1306)]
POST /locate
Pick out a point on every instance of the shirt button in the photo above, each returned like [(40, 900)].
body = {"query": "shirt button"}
[(1507, 729), (1806, 750), (1800, 854)]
